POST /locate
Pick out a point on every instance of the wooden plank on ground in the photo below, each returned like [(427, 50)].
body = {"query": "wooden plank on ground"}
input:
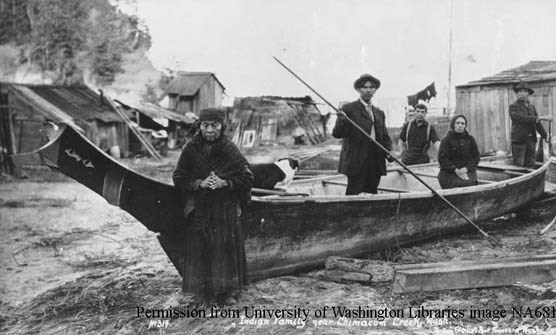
[(379, 271), (475, 262), (341, 276), (473, 274)]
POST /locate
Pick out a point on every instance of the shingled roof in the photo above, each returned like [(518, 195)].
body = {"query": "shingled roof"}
[(188, 83), (533, 71)]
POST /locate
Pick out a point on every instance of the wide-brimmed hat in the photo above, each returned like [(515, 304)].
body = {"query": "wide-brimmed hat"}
[(359, 82), (523, 86)]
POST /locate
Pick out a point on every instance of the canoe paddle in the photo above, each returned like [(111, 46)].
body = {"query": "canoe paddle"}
[(492, 240)]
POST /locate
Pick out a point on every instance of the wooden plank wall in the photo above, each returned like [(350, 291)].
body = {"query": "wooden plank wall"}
[(29, 135), (487, 110), (122, 134), (545, 103), (209, 95), (487, 113)]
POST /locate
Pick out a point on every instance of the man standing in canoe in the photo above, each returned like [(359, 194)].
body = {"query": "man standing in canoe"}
[(362, 161), (416, 136), (214, 180), (525, 125)]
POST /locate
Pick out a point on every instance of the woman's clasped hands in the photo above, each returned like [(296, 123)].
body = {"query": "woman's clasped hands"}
[(213, 182)]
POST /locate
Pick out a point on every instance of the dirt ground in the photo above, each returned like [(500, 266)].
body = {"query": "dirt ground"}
[(70, 263)]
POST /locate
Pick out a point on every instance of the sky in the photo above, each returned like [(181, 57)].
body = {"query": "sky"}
[(330, 43)]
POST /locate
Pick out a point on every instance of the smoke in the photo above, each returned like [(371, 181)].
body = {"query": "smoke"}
[(132, 84), (12, 71)]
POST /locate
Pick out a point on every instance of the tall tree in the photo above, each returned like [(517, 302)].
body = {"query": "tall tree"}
[(73, 37)]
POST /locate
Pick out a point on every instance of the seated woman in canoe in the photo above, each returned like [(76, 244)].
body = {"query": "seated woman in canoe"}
[(458, 156)]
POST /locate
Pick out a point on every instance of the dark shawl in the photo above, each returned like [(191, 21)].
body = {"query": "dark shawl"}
[(458, 150), (200, 157)]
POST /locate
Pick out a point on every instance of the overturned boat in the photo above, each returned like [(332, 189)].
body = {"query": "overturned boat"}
[(300, 227)]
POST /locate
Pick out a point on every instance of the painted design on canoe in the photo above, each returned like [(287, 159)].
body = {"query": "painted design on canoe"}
[(87, 163), (312, 220)]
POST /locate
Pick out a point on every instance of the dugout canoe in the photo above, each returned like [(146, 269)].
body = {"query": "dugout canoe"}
[(291, 233)]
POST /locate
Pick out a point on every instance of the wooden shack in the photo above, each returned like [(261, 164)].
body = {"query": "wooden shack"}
[(273, 120), (486, 102), (193, 91), (26, 110), (151, 116)]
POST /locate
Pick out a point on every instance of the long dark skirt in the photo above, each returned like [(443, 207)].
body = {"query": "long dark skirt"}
[(451, 180), (215, 262)]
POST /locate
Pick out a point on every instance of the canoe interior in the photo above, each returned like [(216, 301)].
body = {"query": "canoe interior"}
[(287, 234), (397, 180)]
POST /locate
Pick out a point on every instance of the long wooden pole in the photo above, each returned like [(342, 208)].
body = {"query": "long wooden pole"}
[(491, 239), (548, 226), (448, 105), (549, 139)]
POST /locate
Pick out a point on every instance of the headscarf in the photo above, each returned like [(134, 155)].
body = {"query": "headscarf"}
[(453, 122), (212, 114)]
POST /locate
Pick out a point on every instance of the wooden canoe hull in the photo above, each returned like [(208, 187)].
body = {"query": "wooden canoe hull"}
[(284, 237), (287, 234)]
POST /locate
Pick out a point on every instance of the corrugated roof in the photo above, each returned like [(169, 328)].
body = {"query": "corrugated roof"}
[(531, 72), (79, 102), (188, 83)]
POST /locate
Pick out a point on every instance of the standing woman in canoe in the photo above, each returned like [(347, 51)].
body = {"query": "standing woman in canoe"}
[(215, 182), (458, 156)]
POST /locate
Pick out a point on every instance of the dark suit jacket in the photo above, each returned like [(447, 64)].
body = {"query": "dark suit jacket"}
[(355, 145), (524, 122)]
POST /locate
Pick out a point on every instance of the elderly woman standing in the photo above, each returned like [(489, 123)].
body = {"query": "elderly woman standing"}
[(215, 182), (458, 156)]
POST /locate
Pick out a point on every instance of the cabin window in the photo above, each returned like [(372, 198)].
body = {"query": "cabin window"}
[(248, 138), (172, 101), (269, 129)]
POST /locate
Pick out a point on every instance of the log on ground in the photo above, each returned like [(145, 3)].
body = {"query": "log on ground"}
[(473, 274)]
